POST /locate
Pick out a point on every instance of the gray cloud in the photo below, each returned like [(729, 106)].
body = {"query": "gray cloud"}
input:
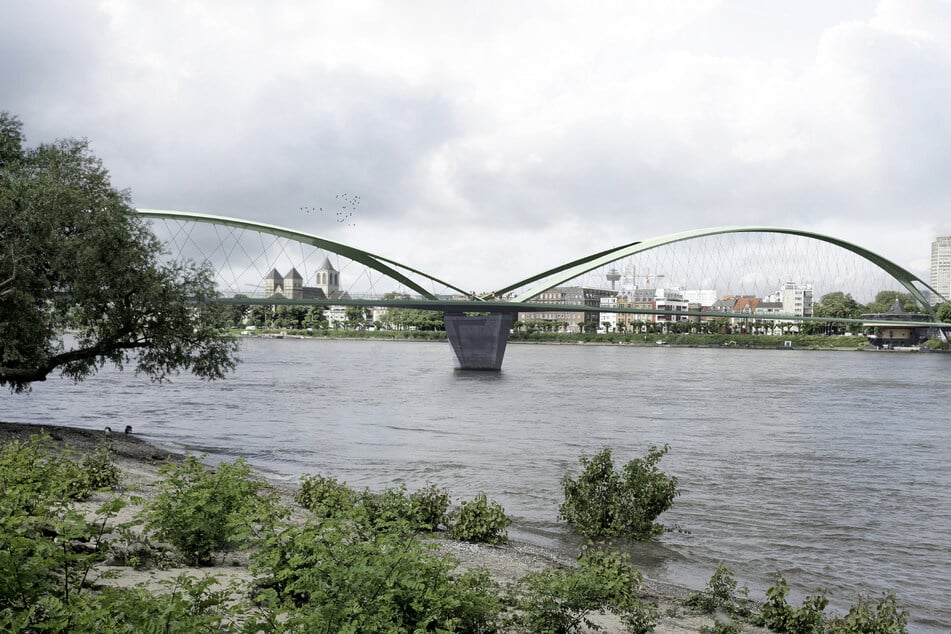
[(579, 129)]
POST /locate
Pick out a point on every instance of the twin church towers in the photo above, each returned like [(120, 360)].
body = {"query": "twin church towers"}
[(291, 285)]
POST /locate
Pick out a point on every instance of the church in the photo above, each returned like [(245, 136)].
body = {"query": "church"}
[(291, 285)]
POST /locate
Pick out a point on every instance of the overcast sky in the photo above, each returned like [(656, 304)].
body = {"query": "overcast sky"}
[(491, 140)]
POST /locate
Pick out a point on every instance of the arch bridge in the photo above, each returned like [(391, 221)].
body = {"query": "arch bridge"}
[(685, 271)]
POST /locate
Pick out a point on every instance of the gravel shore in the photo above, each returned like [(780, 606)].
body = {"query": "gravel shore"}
[(140, 462)]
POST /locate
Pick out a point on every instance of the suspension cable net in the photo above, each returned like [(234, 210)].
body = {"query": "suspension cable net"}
[(754, 264), (244, 259)]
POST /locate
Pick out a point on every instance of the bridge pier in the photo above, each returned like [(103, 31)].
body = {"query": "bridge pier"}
[(478, 342)]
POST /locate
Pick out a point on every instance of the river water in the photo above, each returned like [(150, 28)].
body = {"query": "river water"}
[(833, 468)]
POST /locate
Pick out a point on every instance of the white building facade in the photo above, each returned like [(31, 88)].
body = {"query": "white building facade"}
[(795, 298), (941, 268)]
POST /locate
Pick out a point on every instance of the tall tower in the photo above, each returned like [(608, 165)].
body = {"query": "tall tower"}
[(941, 267), (273, 284), (327, 279), (293, 285)]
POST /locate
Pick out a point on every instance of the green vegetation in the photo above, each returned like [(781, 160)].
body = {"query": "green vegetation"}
[(347, 573), (204, 512), (75, 256), (720, 594), (561, 600), (359, 561), (605, 502), (864, 617), (480, 520)]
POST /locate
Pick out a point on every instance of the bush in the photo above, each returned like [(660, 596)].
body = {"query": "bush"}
[(430, 505), (719, 595), (479, 520), (558, 600), (864, 618), (324, 496), (185, 605), (47, 549), (349, 574), (424, 509), (781, 617), (204, 511), (603, 502)]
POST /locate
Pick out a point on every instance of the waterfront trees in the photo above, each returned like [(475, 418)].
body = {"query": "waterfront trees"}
[(75, 257)]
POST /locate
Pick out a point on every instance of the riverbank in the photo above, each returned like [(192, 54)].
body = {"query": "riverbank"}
[(650, 340), (140, 463)]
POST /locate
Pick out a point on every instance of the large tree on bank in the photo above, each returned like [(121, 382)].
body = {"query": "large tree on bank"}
[(74, 257)]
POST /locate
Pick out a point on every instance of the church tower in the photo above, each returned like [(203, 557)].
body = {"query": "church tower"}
[(293, 285), (273, 284), (327, 279)]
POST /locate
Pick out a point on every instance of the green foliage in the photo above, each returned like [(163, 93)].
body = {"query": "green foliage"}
[(605, 502), (430, 505), (779, 616), (74, 254), (347, 573), (96, 472), (885, 617), (324, 496), (719, 595), (884, 299), (480, 520), (838, 304), (204, 511), (47, 549), (561, 601), (185, 605), (424, 509)]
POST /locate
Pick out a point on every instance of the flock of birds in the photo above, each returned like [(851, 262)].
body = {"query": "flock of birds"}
[(348, 204)]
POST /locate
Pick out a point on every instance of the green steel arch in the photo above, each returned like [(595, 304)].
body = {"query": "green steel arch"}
[(376, 262), (562, 274)]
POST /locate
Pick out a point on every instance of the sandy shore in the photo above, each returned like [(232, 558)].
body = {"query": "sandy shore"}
[(140, 463)]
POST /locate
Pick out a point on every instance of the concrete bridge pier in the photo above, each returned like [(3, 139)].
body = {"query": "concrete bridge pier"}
[(479, 342)]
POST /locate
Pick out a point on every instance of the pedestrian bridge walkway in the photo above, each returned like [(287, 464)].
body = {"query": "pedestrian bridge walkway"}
[(680, 276)]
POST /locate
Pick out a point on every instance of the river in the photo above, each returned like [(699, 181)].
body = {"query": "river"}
[(833, 468)]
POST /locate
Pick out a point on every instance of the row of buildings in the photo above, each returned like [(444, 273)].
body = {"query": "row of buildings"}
[(667, 305)]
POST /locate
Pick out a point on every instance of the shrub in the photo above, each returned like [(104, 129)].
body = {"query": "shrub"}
[(95, 472), (781, 617), (430, 505), (424, 509), (561, 601), (387, 506), (99, 470), (47, 549), (864, 618), (204, 511), (720, 594), (186, 604), (479, 520), (349, 574), (324, 496), (603, 502)]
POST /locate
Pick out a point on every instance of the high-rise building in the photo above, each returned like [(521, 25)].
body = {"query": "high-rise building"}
[(941, 267)]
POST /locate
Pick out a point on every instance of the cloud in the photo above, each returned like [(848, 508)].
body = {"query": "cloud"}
[(508, 135)]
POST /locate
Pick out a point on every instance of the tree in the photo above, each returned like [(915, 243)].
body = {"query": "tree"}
[(75, 257), (884, 300), (838, 304)]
